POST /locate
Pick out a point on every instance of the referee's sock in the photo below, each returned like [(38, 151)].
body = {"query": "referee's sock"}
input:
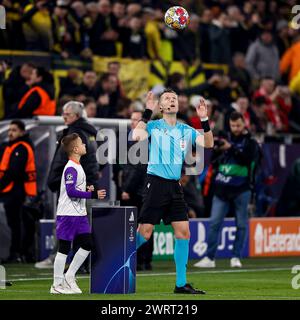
[(140, 240), (181, 255)]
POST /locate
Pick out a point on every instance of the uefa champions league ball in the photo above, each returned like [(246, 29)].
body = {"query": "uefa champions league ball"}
[(177, 18)]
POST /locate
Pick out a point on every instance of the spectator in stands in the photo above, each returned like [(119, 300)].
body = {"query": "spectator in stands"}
[(205, 26), (283, 101), (283, 40), (241, 105), (187, 46), (92, 12), (39, 99), (17, 180), (232, 185), (239, 72), (90, 107), (134, 40), (16, 86), (133, 9), (66, 30), (262, 57), (261, 121), (152, 32), (103, 33), (37, 26), (119, 10), (239, 36), (219, 41), (80, 10), (70, 85), (176, 82), (14, 14), (123, 108), (218, 87), (290, 62), (90, 86), (183, 108), (268, 92), (113, 68), (109, 96)]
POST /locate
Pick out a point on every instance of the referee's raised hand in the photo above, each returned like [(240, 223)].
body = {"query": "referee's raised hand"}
[(151, 102), (202, 109), (208, 141)]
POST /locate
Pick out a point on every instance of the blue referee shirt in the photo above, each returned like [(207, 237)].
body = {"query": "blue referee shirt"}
[(168, 147)]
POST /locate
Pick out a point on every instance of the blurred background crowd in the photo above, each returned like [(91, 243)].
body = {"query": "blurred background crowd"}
[(257, 40)]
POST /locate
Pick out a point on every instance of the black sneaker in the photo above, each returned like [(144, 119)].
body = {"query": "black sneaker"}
[(188, 289)]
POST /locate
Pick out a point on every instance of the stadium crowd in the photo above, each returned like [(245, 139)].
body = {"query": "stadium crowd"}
[(256, 40)]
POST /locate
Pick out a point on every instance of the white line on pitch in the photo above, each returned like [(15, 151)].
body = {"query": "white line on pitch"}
[(170, 273), (214, 271)]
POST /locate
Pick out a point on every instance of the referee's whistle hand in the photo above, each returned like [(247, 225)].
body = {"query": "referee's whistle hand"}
[(101, 194)]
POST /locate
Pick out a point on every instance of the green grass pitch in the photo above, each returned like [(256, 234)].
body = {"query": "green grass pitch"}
[(259, 279)]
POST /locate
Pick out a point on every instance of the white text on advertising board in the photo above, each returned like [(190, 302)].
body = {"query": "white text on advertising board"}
[(163, 243), (270, 240)]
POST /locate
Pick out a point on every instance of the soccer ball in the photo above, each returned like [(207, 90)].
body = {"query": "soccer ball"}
[(177, 18)]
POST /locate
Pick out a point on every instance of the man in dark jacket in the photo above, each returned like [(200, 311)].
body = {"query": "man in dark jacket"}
[(235, 159), (17, 180), (103, 34), (72, 114)]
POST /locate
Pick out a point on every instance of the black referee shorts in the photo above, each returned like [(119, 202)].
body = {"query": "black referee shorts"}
[(162, 200)]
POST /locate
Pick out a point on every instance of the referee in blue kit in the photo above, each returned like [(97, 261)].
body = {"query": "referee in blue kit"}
[(163, 195)]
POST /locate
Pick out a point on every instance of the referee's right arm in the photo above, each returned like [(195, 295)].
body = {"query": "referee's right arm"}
[(140, 132)]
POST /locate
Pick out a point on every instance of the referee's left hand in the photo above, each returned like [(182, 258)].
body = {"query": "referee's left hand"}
[(202, 109)]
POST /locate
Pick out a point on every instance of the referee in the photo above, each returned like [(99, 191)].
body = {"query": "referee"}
[(163, 195)]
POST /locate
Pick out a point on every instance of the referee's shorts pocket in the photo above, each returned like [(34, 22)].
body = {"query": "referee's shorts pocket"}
[(153, 194)]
